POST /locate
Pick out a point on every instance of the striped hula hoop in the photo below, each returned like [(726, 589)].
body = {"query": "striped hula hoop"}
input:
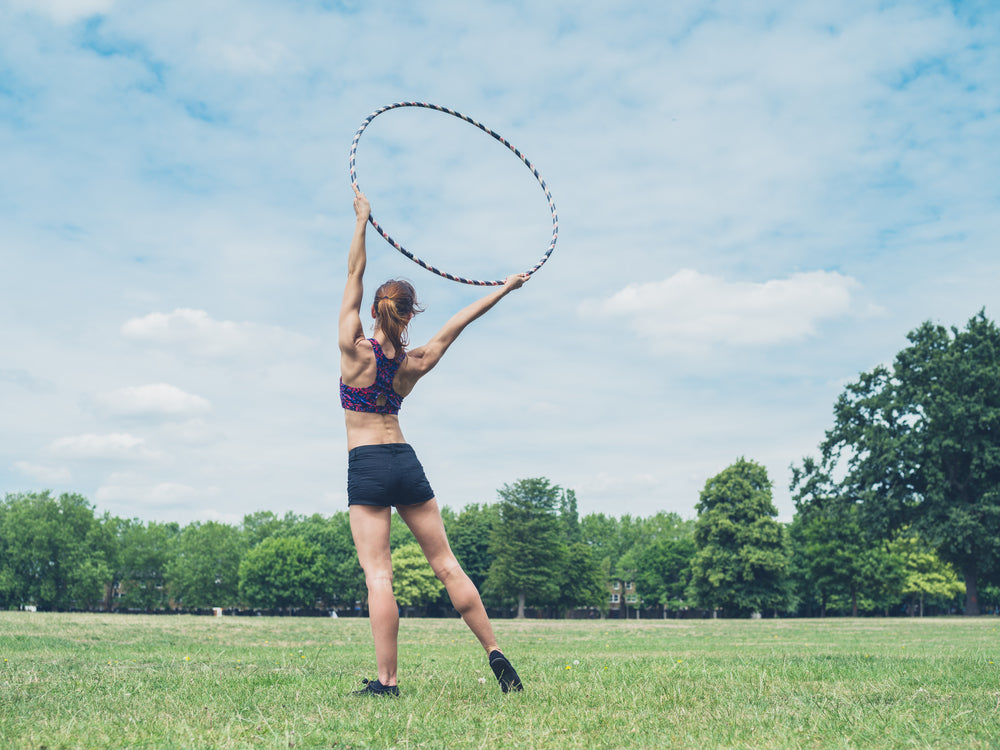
[(497, 136)]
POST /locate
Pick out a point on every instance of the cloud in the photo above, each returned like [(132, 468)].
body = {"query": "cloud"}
[(45, 474), (262, 56), (694, 308), (186, 172), (198, 333), (66, 11), (118, 445), (151, 400), (122, 487)]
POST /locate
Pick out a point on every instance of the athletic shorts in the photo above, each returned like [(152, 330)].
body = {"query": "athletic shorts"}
[(386, 475)]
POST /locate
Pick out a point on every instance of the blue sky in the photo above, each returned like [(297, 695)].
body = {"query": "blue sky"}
[(757, 202)]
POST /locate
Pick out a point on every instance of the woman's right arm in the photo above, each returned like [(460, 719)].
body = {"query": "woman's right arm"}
[(350, 328), (424, 358)]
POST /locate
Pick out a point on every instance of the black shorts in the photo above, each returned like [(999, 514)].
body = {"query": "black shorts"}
[(386, 475)]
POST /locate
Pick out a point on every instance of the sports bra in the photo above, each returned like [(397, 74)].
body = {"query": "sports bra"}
[(367, 399)]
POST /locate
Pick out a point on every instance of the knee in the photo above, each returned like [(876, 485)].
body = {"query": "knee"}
[(379, 579), (447, 568)]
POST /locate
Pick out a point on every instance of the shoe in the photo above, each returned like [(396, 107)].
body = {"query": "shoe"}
[(374, 687), (505, 673)]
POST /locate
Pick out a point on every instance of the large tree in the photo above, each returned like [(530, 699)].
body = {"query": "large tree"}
[(283, 573), (610, 538), (332, 535), (836, 557), (54, 553), (527, 544), (582, 582), (469, 535), (144, 551), (740, 564), (919, 445), (663, 560), (205, 571)]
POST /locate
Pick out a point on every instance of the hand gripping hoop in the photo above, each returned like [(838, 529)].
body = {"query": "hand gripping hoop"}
[(459, 115)]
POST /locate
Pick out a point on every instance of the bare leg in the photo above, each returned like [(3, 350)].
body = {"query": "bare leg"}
[(425, 522), (370, 529)]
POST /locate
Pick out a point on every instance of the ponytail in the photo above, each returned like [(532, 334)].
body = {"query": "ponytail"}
[(395, 303)]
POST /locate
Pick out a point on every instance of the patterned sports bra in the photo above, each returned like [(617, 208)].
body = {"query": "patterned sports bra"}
[(379, 397)]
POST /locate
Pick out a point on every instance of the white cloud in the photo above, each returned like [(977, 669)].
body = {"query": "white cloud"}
[(153, 399), (122, 487), (117, 445), (694, 308), (45, 474), (195, 331), (257, 57), (66, 11)]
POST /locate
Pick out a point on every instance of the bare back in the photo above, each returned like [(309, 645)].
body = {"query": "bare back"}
[(358, 368)]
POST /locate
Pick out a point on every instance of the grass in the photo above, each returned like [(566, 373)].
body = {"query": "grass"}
[(118, 681)]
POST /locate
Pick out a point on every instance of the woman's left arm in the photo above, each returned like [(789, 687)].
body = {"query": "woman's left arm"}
[(424, 358)]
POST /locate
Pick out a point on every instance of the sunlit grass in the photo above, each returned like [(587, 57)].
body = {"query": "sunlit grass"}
[(185, 682)]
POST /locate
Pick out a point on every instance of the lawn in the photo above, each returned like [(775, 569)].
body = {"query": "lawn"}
[(121, 681)]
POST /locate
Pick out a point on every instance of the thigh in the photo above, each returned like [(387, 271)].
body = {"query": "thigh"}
[(370, 529), (424, 520)]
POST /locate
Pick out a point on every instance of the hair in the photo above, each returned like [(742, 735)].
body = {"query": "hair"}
[(395, 303)]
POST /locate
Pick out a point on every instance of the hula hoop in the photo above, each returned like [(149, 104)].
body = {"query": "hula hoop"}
[(497, 136)]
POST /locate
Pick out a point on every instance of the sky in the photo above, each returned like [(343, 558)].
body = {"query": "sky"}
[(757, 202)]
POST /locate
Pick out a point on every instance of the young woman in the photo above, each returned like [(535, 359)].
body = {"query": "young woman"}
[(383, 471)]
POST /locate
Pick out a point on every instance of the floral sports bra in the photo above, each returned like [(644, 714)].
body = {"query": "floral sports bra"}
[(379, 397)]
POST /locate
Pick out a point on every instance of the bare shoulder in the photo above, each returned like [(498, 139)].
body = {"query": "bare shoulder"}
[(356, 357), (415, 362), (360, 346)]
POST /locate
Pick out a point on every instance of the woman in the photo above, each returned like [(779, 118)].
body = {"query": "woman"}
[(383, 471)]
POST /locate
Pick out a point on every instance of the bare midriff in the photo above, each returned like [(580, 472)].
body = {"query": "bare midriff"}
[(366, 428)]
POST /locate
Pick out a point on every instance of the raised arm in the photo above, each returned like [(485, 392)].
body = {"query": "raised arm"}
[(350, 328), (424, 358)]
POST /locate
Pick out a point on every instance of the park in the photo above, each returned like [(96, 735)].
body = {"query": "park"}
[(723, 473), (114, 681)]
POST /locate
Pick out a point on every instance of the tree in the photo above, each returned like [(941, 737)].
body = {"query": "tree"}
[(346, 581), (919, 445), (927, 575), (283, 573), (834, 554), (663, 559), (570, 517), (740, 562), (399, 532), (826, 557), (413, 581), (54, 553), (469, 535), (260, 525), (205, 571), (144, 552), (610, 538), (527, 544), (583, 582)]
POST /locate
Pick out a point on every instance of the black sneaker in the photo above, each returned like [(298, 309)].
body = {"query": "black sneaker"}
[(374, 687), (505, 673)]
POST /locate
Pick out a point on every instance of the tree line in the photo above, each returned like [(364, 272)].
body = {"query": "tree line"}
[(898, 512)]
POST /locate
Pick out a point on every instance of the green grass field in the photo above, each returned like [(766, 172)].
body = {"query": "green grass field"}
[(118, 681)]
